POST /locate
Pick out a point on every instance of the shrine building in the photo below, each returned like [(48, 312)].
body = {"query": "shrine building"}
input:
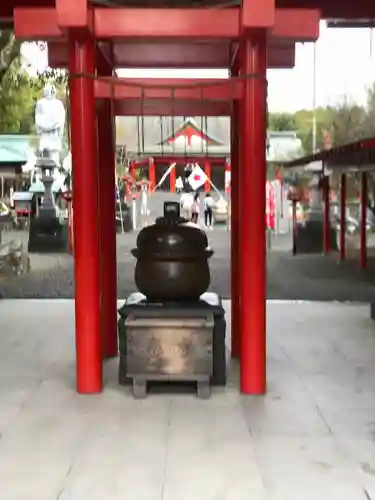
[(205, 141)]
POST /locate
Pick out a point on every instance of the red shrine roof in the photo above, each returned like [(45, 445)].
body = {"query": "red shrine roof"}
[(331, 9), (360, 154), (189, 130)]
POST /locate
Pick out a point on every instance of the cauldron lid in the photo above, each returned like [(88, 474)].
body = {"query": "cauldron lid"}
[(172, 235)]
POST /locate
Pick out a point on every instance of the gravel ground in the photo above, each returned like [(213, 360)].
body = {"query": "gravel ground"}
[(299, 278)]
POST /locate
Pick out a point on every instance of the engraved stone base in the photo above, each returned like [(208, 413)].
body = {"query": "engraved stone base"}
[(208, 304), (169, 348), (47, 235)]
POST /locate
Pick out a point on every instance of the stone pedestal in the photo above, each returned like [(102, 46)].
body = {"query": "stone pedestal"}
[(209, 303), (47, 233)]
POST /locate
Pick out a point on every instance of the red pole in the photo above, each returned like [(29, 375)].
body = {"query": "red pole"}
[(343, 217), (252, 214), (107, 224), (363, 249), (235, 232), (132, 169), (326, 220), (85, 221), (172, 180), (207, 171), (152, 174)]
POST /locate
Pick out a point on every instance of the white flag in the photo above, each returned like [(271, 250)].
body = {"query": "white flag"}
[(197, 178), (165, 175)]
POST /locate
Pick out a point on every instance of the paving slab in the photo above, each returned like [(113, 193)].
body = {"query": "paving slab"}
[(311, 437)]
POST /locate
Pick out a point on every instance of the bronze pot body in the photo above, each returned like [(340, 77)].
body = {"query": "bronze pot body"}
[(172, 261)]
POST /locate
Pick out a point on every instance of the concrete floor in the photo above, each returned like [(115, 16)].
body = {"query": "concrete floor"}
[(312, 437)]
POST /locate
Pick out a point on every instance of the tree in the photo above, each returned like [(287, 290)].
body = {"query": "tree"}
[(16, 98), (15, 94), (280, 122), (9, 51), (18, 90), (304, 127), (347, 123)]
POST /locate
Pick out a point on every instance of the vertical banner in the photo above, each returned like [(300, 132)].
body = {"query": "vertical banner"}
[(270, 205), (227, 178)]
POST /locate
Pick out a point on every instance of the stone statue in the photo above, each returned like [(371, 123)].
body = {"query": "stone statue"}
[(48, 228), (50, 123)]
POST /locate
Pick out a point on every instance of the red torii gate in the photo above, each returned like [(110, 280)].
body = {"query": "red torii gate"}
[(91, 66)]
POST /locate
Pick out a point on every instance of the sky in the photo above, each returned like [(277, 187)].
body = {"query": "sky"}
[(344, 68)]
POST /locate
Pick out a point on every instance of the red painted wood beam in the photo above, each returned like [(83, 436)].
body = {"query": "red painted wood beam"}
[(159, 107), (216, 24), (7, 6), (74, 14), (169, 89), (104, 58), (209, 24), (259, 14), (36, 24), (330, 9), (297, 24), (205, 56), (172, 55), (174, 23)]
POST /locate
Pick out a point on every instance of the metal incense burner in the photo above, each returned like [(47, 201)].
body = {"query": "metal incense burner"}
[(172, 332)]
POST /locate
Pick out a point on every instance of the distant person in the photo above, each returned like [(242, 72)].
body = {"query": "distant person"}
[(208, 205), (179, 185), (195, 208), (186, 202)]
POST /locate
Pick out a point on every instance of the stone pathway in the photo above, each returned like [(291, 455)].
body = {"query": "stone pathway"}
[(310, 438)]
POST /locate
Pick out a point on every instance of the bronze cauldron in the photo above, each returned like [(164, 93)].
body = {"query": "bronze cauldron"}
[(172, 258)]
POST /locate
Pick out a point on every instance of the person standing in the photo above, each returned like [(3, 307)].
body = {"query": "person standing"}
[(186, 202), (179, 185), (208, 204), (195, 208)]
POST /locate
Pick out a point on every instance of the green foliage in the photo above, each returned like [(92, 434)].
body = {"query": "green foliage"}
[(304, 126), (19, 91), (281, 122), (344, 123), (9, 51), (16, 99)]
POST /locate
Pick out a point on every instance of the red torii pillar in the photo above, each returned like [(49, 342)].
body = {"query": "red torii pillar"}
[(107, 219), (235, 229), (132, 169), (152, 173), (253, 201), (172, 180), (85, 222), (207, 171)]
